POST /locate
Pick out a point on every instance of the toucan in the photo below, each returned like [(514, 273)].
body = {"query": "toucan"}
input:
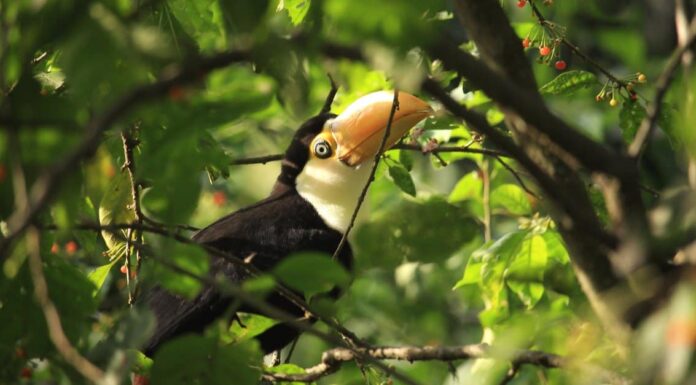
[(323, 172)]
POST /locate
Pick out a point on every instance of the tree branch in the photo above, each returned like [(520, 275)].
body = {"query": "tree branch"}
[(47, 184), (547, 130), (227, 287), (576, 50), (53, 322), (556, 192), (332, 360), (647, 126)]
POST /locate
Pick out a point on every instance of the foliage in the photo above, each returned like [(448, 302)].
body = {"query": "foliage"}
[(454, 247)]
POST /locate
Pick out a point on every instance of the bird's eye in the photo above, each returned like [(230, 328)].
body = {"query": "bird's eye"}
[(322, 149)]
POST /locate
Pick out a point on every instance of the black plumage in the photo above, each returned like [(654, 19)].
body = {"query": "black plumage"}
[(282, 224)]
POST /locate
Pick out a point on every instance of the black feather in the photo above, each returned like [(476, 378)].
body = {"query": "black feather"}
[(282, 224)]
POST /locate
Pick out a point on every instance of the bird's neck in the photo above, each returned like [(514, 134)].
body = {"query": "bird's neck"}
[(332, 188)]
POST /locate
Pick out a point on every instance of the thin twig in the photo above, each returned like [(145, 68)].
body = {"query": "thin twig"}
[(401, 146), (363, 193), (516, 175), (129, 143), (53, 322), (256, 160), (576, 50), (441, 149), (647, 126)]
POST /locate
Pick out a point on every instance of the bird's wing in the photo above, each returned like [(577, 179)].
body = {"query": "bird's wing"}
[(268, 232)]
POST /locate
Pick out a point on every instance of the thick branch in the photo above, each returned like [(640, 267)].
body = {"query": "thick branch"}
[(548, 130), (332, 360), (647, 126), (555, 191)]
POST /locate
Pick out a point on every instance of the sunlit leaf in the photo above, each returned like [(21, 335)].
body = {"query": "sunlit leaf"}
[(511, 198), (300, 272), (569, 82)]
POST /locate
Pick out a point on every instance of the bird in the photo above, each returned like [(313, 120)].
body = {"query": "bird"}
[(323, 171)]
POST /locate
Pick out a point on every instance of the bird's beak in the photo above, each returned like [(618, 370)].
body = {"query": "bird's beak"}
[(359, 129)]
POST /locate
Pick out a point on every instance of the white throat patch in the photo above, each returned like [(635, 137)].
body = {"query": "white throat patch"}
[(332, 188)]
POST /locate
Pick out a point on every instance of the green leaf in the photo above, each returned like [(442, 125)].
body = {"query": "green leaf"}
[(525, 275), (427, 231), (512, 198), (115, 208), (472, 273), (402, 178), (312, 273), (297, 9), (631, 115), (406, 159), (254, 325), (287, 369), (196, 359), (469, 186), (98, 275), (197, 18), (569, 82)]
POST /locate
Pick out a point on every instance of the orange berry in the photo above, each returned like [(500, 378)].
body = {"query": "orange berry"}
[(544, 50), (71, 247), (219, 198), (526, 43), (55, 248), (124, 270)]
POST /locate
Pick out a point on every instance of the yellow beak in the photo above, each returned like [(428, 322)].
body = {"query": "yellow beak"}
[(359, 129)]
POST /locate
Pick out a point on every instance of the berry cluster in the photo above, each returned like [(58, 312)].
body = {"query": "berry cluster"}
[(549, 51), (613, 90)]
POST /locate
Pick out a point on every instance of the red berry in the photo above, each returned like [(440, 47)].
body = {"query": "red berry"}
[(71, 247), (25, 373), (522, 3), (3, 172), (124, 270), (634, 96), (544, 50), (560, 65), (526, 43), (219, 198), (55, 248)]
